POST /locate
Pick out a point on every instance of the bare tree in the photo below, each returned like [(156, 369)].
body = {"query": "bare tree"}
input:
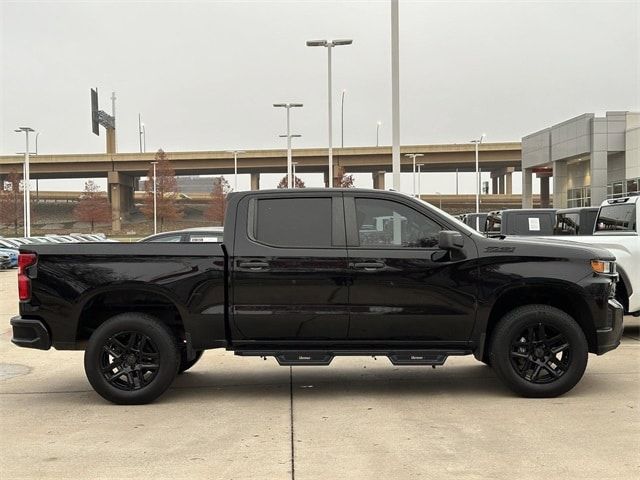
[(343, 180), (166, 191), (218, 205), (93, 206), (11, 201), (297, 182)]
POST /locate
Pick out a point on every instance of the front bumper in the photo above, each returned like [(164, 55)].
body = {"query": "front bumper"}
[(30, 333), (609, 337)]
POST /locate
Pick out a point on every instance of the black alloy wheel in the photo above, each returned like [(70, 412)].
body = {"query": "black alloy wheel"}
[(132, 358), (129, 360), (538, 351), (540, 354)]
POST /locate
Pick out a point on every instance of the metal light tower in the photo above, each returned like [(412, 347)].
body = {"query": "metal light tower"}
[(342, 119), (235, 167), (293, 167), (329, 46), (413, 156), (395, 95), (477, 143), (288, 135), (155, 199), (419, 180), (378, 125), (26, 192)]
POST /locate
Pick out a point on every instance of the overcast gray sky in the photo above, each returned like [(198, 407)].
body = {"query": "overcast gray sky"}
[(205, 74)]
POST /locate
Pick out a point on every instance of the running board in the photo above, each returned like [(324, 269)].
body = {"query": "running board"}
[(321, 357)]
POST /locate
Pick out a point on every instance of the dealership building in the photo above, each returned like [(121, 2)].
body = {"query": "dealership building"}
[(589, 158)]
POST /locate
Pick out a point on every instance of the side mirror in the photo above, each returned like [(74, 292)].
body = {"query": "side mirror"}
[(450, 240)]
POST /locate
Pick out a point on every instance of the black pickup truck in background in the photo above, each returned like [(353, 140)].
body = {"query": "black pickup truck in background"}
[(307, 275)]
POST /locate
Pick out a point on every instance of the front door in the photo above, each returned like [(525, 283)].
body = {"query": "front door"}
[(290, 272), (404, 288)]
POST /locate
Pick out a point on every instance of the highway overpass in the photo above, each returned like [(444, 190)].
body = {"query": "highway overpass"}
[(122, 170)]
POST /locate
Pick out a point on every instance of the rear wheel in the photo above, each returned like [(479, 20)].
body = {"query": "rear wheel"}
[(131, 359), (539, 351), (187, 364)]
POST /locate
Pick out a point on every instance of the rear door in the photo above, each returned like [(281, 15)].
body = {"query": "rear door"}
[(290, 275), (404, 287)]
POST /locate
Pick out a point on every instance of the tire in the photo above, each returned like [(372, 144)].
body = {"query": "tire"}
[(539, 351), (187, 364), (140, 348)]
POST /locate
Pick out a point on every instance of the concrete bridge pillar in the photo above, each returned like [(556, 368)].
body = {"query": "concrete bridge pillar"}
[(255, 181), (544, 189), (120, 189), (527, 188), (378, 180), (494, 185), (501, 184), (508, 179)]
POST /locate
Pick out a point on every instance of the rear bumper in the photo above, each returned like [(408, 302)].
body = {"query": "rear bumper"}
[(30, 333), (609, 337)]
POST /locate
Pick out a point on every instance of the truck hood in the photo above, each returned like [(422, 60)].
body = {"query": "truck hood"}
[(544, 247)]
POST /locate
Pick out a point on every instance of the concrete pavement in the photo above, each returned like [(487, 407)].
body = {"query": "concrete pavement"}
[(235, 418)]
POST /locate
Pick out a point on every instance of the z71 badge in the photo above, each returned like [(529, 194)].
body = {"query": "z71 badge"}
[(500, 249)]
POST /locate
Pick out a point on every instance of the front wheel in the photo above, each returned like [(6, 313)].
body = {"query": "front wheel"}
[(539, 351), (131, 359)]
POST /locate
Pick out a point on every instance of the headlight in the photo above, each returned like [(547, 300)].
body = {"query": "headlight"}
[(603, 266)]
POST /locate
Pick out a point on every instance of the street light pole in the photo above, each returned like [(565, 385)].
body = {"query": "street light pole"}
[(477, 143), (342, 120), (329, 46), (413, 156), (378, 124), (288, 135), (26, 192), (419, 180), (235, 167), (155, 199), (140, 131)]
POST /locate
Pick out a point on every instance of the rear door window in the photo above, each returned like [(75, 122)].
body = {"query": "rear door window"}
[(294, 222)]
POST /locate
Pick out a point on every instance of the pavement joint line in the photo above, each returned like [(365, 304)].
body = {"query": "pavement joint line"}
[(293, 457)]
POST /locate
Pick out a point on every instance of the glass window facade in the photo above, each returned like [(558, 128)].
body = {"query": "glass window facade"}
[(579, 197)]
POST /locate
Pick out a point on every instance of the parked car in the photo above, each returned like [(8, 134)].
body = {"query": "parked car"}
[(9, 243), (305, 275), (199, 234), (529, 222), (5, 261), (12, 257), (575, 221), (477, 221)]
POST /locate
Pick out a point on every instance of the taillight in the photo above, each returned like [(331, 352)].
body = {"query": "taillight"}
[(25, 260)]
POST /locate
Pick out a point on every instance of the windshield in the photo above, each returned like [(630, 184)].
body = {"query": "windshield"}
[(461, 226)]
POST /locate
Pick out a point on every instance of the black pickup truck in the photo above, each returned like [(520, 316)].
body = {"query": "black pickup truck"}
[(306, 275)]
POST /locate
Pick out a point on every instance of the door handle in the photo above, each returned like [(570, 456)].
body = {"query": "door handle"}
[(253, 265), (369, 265)]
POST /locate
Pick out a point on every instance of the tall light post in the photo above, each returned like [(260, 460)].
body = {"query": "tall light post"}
[(419, 180), (288, 135), (413, 178), (329, 46), (477, 142), (439, 200), (342, 119), (155, 199), (26, 192), (140, 131), (378, 125), (235, 167)]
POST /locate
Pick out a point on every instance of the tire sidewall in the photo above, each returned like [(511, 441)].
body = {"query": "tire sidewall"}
[(517, 321), (167, 350)]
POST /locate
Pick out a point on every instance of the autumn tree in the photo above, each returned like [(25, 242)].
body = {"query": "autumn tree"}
[(216, 209), (297, 182), (166, 191), (11, 201), (93, 206), (342, 179)]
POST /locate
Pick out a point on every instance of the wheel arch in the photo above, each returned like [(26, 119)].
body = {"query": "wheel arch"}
[(102, 303), (563, 297)]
